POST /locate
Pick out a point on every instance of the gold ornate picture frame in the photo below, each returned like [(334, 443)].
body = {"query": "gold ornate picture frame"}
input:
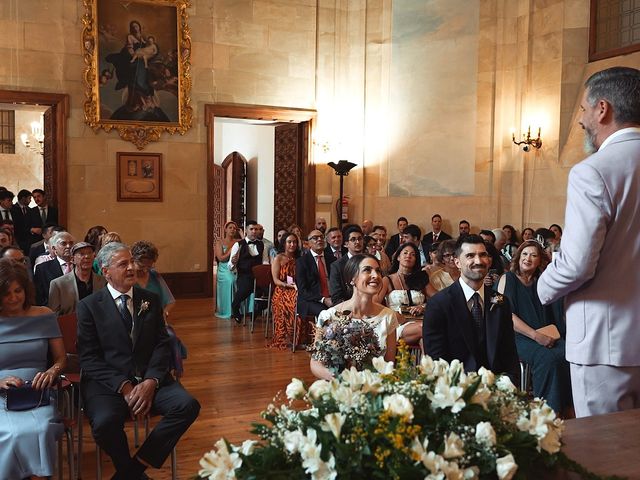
[(137, 77)]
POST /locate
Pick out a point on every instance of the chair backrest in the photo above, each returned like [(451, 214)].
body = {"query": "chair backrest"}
[(69, 328), (262, 274)]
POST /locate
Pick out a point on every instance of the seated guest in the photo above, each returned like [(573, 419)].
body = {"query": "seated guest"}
[(436, 235), (6, 238), (380, 237), (528, 234), (369, 245), (312, 278), (145, 255), (61, 244), (500, 242), (273, 251), (268, 244), (405, 291), (468, 321), (511, 239), (547, 239), (433, 264), (448, 271), (66, 291), (125, 357), (245, 255), (464, 228), (497, 260), (412, 233), (94, 235), (28, 335), (321, 224), (337, 282), (367, 227), (395, 240), (365, 281), (557, 231), (335, 246), (283, 302), (41, 247), (105, 239), (545, 354)]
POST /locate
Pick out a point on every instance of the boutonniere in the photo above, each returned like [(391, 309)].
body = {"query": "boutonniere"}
[(496, 299), (144, 306)]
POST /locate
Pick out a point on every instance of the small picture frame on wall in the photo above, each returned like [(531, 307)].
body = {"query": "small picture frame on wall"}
[(139, 177)]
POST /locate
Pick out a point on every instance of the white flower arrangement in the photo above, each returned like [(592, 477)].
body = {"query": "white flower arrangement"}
[(433, 421)]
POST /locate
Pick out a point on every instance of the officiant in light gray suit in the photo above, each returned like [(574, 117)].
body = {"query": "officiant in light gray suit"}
[(597, 268)]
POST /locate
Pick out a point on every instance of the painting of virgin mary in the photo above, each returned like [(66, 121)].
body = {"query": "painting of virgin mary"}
[(138, 62)]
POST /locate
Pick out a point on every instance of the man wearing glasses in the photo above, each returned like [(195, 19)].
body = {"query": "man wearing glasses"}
[(312, 277), (355, 244)]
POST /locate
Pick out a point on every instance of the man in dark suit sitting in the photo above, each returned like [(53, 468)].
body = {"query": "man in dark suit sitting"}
[(335, 246), (312, 276), (395, 240), (125, 356), (61, 244), (355, 244), (436, 235), (470, 322)]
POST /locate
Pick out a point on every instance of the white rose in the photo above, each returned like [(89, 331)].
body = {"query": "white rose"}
[(220, 463), (488, 377), (382, 366), (398, 405), (295, 389), (293, 441), (319, 388), (506, 467), (453, 446), (485, 434), (504, 383)]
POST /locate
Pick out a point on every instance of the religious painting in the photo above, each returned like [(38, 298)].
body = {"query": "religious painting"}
[(433, 111), (137, 75), (139, 177)]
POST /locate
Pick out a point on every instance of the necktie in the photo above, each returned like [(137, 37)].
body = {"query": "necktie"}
[(125, 313), (6, 215), (435, 237), (322, 270), (337, 254), (43, 215), (24, 211), (476, 312)]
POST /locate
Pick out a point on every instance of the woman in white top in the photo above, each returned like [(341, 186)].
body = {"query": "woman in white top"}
[(366, 281), (405, 291)]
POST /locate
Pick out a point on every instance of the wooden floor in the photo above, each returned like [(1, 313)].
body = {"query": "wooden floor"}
[(233, 375)]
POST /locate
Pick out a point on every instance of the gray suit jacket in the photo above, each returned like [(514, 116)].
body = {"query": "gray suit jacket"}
[(63, 292), (598, 267)]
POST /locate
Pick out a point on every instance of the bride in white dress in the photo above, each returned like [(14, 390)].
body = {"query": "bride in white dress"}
[(366, 281)]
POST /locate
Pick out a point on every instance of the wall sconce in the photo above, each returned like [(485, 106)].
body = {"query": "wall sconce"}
[(528, 142), (342, 169)]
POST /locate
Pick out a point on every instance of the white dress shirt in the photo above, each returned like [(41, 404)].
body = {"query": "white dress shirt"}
[(468, 293)]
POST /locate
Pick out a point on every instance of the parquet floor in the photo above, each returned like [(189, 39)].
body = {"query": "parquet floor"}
[(230, 371)]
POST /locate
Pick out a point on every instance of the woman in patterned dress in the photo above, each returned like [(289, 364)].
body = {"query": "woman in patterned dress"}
[(283, 303)]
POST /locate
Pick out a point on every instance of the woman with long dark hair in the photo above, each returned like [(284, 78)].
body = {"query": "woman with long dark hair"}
[(283, 303)]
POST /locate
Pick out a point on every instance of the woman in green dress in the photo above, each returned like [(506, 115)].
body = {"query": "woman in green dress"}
[(226, 279)]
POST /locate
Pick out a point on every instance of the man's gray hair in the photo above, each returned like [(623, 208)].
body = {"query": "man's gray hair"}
[(620, 87), (59, 236), (106, 253)]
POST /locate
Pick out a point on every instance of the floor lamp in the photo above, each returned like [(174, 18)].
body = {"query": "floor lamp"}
[(342, 170)]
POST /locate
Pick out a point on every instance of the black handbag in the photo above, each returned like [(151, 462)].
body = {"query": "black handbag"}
[(26, 397)]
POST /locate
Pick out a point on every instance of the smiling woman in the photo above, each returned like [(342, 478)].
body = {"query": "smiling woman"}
[(365, 280)]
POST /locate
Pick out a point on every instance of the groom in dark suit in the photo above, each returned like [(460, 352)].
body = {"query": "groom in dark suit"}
[(124, 355), (470, 322)]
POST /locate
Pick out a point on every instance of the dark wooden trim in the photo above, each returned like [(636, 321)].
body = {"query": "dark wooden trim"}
[(593, 56), (187, 284), (251, 112), (60, 105)]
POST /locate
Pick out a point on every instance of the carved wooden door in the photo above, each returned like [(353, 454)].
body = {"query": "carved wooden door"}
[(50, 186), (287, 182), (235, 168)]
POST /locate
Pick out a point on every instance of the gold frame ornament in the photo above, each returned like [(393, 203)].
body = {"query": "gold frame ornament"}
[(139, 118)]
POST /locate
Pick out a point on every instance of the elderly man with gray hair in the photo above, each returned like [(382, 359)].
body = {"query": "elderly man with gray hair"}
[(125, 356), (45, 272)]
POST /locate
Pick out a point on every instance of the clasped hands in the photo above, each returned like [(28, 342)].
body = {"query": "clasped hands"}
[(139, 398), (40, 381)]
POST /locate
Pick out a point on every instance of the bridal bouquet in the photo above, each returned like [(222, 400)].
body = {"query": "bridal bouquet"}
[(344, 342), (433, 421)]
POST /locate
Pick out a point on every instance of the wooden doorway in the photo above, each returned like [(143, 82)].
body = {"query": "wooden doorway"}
[(55, 142), (215, 215)]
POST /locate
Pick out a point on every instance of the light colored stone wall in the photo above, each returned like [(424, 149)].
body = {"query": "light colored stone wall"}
[(333, 56)]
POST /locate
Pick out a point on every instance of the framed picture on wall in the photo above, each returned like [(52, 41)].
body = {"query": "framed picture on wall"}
[(139, 177), (137, 68)]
